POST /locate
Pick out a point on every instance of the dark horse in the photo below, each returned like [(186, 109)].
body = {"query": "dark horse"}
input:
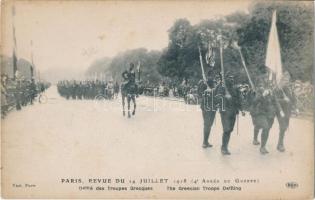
[(129, 91)]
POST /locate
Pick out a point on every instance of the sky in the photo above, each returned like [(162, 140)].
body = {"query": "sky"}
[(68, 36)]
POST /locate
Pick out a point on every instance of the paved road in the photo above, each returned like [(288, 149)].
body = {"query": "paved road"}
[(62, 138)]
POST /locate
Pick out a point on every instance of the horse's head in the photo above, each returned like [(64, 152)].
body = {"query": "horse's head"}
[(140, 88)]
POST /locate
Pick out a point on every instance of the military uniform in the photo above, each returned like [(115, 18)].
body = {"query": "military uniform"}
[(287, 101), (231, 109), (116, 88), (263, 110), (208, 112), (4, 103), (129, 80), (213, 97), (18, 95)]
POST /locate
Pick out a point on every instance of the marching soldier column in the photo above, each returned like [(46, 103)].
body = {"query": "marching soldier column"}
[(271, 97)]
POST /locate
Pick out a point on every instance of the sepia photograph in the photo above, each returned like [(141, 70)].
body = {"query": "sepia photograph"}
[(121, 99)]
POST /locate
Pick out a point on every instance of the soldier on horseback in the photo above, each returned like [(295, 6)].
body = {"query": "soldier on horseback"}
[(129, 89), (129, 77)]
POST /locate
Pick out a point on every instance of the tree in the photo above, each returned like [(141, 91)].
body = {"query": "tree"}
[(180, 53), (98, 66), (181, 59), (148, 64), (295, 24)]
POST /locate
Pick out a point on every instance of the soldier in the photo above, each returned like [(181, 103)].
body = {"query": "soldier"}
[(216, 96), (287, 101), (116, 89), (110, 89), (132, 74), (125, 75), (263, 109), (232, 105), (129, 89), (129, 78), (125, 79), (33, 91), (208, 113), (18, 95), (67, 90), (4, 104)]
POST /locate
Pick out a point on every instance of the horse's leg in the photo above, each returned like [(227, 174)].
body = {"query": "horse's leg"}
[(128, 102), (134, 105), (123, 103)]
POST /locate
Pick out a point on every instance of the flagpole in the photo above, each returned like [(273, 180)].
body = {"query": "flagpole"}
[(227, 95), (273, 57), (32, 61), (244, 64), (139, 63), (246, 70), (14, 57)]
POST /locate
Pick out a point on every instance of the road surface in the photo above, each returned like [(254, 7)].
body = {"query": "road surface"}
[(60, 139)]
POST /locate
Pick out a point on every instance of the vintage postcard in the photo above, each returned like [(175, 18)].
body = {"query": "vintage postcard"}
[(157, 99)]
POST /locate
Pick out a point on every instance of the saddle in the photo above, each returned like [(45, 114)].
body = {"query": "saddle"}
[(129, 87)]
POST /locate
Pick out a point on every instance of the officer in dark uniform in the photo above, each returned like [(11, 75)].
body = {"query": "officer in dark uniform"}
[(116, 89), (263, 109), (287, 100), (216, 96), (132, 74), (125, 76), (33, 91), (232, 105), (129, 79), (18, 95), (205, 90)]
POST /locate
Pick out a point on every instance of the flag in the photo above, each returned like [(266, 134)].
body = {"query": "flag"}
[(210, 56), (273, 55)]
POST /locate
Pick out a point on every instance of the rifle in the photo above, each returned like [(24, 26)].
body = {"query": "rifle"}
[(227, 93), (244, 65)]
